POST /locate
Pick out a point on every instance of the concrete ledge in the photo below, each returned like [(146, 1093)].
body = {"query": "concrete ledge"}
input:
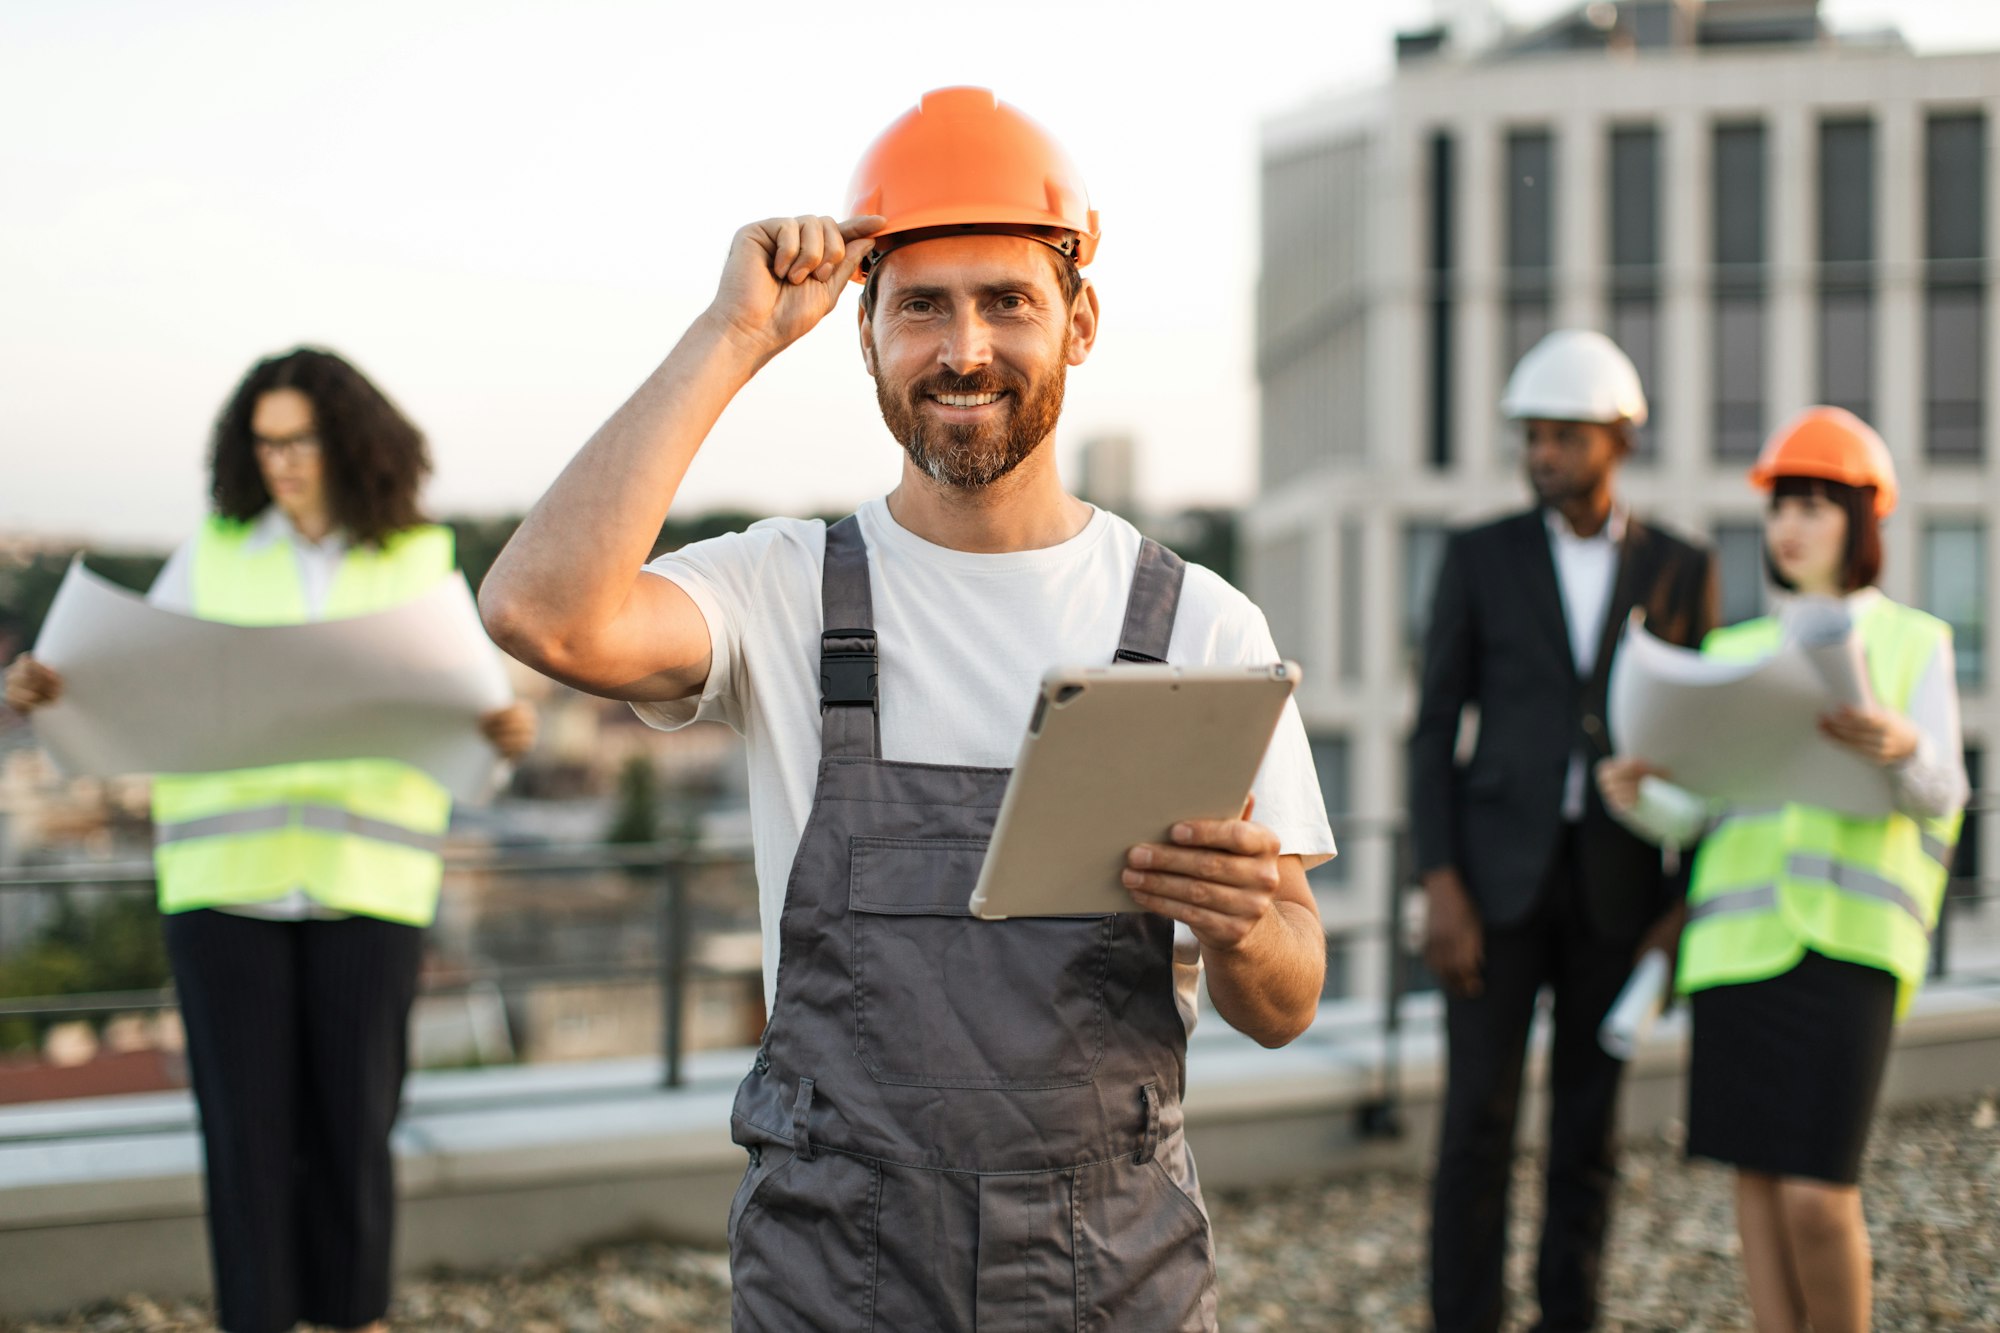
[(104, 1197)]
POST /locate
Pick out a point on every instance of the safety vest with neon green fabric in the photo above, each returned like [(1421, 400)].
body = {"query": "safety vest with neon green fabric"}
[(357, 835), (1770, 884)]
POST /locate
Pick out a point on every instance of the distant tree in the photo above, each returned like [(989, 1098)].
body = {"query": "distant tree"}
[(481, 539), (637, 815), (1204, 536), (28, 585), (111, 945)]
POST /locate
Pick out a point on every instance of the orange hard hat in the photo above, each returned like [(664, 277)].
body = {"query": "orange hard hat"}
[(1830, 444), (964, 160)]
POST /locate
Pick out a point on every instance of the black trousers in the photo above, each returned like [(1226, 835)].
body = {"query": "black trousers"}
[(1486, 1041), (297, 1040)]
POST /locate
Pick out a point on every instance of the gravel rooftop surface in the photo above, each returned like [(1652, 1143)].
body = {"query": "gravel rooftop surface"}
[(1345, 1254)]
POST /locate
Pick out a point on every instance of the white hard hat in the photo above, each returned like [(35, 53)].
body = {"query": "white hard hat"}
[(1575, 375)]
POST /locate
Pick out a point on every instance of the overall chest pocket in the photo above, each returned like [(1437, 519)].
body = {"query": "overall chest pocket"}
[(943, 999)]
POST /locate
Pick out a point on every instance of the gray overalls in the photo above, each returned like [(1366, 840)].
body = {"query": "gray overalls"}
[(952, 1123)]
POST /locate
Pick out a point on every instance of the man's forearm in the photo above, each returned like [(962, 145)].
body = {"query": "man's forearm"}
[(1268, 987), (568, 567)]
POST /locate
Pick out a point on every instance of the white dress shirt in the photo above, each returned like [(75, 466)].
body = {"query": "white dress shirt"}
[(1586, 571), (318, 564)]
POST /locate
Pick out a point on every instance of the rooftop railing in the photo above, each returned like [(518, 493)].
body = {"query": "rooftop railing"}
[(665, 872)]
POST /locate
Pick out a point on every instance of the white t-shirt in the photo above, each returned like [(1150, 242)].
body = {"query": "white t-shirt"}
[(965, 639)]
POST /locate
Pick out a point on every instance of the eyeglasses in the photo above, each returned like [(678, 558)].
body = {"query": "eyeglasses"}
[(303, 445)]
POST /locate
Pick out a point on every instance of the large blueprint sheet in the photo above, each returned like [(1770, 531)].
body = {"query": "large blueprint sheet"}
[(1745, 732), (146, 690)]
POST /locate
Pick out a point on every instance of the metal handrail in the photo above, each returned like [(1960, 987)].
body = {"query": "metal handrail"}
[(670, 861), (673, 966)]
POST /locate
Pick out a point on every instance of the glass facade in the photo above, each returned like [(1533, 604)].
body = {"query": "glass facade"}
[(1282, 579), (1312, 353), (1440, 314), (1965, 867), (1350, 582), (1847, 265), (1739, 316), (1739, 553), (1333, 761), (1955, 287), (1530, 241), (1634, 286), (1954, 589), (1423, 553)]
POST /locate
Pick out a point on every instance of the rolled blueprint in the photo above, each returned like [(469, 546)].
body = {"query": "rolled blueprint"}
[(147, 690), (1824, 630), (1633, 1012)]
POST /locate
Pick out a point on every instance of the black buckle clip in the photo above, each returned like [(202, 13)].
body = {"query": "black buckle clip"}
[(847, 667), (1133, 657)]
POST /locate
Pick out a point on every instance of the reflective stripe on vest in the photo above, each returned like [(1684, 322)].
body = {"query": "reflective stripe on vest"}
[(359, 835), (324, 818), (1846, 878), (1937, 849)]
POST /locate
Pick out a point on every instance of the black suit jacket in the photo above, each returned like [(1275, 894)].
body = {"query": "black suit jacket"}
[(1498, 640)]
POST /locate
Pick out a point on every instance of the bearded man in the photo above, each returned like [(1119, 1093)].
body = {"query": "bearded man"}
[(950, 1123)]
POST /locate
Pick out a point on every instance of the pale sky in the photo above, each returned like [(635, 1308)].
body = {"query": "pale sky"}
[(506, 213)]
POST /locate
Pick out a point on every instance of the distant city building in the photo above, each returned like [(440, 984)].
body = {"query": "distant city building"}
[(1764, 215), (1110, 471)]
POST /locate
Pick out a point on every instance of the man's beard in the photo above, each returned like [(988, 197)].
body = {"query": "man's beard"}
[(972, 456)]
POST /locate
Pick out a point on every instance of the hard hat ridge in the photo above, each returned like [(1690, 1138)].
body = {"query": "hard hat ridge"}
[(1829, 444), (964, 161), (1575, 375)]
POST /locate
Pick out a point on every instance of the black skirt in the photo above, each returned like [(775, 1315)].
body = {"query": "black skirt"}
[(1784, 1073)]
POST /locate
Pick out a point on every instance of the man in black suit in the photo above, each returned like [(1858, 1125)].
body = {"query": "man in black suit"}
[(1528, 881)]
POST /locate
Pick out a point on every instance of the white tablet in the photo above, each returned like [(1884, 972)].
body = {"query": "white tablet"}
[(1116, 756)]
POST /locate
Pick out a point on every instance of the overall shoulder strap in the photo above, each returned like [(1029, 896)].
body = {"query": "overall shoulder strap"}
[(849, 706), (1149, 611)]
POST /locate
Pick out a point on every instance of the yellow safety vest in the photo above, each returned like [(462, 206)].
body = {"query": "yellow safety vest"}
[(359, 835), (1769, 884)]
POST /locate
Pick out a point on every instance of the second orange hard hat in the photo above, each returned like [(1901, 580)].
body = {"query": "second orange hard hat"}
[(1829, 444), (965, 160)]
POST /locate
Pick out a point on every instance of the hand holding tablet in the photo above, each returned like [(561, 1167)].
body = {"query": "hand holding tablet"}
[(1115, 757)]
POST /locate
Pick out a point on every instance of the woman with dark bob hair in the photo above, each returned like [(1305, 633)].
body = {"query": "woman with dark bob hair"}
[(1808, 929), (295, 896)]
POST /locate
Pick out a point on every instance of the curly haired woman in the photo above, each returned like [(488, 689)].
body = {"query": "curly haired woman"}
[(295, 896)]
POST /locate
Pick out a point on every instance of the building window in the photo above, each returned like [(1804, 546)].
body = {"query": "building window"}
[(1352, 588), (1739, 374), (1442, 187), (1339, 969), (1634, 206), (1955, 287), (1332, 758), (1847, 348), (1312, 301), (1530, 240), (1635, 326), (1739, 553), (1847, 265), (1423, 554), (1965, 866), (1954, 581), (1954, 378), (1739, 295), (1282, 578)]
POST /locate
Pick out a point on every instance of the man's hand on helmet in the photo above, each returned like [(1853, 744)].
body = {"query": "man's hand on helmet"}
[(784, 275)]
